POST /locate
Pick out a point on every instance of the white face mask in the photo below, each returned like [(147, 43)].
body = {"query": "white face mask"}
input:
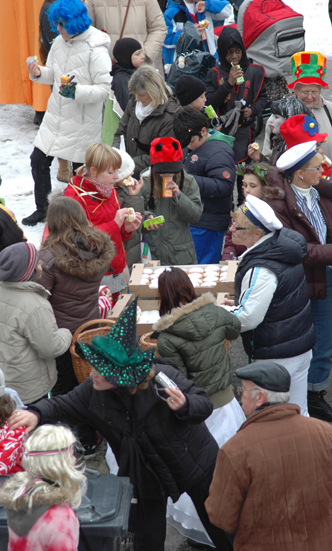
[(275, 122)]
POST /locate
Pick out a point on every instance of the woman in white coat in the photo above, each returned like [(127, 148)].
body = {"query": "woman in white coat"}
[(73, 119)]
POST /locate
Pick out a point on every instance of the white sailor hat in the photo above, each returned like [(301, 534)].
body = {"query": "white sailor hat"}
[(260, 214), (297, 156)]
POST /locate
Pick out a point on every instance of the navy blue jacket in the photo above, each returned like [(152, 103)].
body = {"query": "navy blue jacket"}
[(213, 166), (287, 329)]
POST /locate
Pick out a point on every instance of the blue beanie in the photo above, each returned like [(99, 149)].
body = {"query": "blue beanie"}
[(71, 12)]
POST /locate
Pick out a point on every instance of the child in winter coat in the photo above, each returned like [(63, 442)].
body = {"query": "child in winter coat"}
[(129, 56), (11, 441), (171, 242), (39, 501), (128, 190), (209, 157), (236, 90), (93, 188), (178, 12)]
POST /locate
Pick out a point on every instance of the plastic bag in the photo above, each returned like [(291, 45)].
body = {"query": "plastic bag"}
[(197, 64), (189, 40)]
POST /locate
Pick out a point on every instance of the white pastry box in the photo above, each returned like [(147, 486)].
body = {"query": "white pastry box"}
[(148, 316), (144, 281)]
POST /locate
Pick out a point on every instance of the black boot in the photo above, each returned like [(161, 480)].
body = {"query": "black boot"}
[(39, 115), (34, 218), (317, 406)]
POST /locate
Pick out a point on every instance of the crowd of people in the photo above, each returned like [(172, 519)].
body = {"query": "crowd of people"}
[(137, 150)]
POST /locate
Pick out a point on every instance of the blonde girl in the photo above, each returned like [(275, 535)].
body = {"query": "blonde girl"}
[(39, 501), (93, 188)]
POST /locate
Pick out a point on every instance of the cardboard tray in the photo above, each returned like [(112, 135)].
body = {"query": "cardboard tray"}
[(124, 301), (143, 291)]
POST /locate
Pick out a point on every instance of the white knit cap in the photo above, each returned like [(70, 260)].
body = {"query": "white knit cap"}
[(127, 166), (261, 214)]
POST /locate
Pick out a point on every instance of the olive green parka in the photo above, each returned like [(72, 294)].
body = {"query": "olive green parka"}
[(193, 337)]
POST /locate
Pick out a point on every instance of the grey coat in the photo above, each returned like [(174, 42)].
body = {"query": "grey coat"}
[(133, 244)]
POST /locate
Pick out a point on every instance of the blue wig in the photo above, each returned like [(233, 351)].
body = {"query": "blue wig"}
[(72, 13)]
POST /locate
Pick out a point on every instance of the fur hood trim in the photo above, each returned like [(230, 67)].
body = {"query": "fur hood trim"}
[(56, 496), (87, 265), (57, 193), (168, 320), (270, 192)]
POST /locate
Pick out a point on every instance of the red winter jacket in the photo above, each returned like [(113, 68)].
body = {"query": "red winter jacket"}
[(101, 213), (11, 449)]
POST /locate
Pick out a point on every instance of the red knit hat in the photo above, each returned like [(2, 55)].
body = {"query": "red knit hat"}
[(166, 155), (300, 129)]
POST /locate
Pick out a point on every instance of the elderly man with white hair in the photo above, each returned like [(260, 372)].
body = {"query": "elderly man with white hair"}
[(272, 480)]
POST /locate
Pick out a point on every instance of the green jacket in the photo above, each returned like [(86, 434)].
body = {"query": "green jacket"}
[(172, 243), (193, 337)]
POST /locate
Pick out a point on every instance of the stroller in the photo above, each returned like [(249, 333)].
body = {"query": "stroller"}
[(272, 32)]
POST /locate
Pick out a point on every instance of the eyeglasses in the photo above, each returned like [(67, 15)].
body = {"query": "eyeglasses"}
[(313, 94), (240, 390), (315, 168)]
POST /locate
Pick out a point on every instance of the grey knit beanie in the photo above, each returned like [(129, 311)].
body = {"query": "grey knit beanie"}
[(18, 262)]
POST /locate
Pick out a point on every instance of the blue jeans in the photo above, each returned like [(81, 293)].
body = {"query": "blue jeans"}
[(320, 365), (208, 245)]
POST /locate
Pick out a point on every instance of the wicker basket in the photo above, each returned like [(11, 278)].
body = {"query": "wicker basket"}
[(81, 367), (146, 343)]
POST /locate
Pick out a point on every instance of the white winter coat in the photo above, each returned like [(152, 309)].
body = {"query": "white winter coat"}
[(29, 339), (70, 126)]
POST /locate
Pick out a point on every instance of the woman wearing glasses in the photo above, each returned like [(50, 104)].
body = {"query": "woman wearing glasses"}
[(271, 295), (306, 208)]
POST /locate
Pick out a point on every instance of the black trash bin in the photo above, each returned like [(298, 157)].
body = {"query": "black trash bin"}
[(103, 513)]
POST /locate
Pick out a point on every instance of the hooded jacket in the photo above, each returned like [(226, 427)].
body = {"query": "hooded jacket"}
[(272, 483), (144, 22), (29, 339), (213, 166), (177, 14), (86, 56), (193, 337), (52, 523), (73, 282), (172, 243), (101, 213), (222, 96), (139, 136), (151, 443), (318, 256), (287, 329)]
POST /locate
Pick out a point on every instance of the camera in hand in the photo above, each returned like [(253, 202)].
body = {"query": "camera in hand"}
[(165, 381)]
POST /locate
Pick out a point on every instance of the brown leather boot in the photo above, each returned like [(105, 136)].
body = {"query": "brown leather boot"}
[(64, 171)]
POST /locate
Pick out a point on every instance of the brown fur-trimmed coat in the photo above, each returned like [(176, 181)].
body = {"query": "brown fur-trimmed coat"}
[(73, 282)]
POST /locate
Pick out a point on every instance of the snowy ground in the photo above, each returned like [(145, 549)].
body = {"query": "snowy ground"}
[(17, 130)]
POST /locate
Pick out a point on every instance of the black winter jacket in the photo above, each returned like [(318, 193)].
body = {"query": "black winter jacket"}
[(160, 450), (213, 166), (222, 96), (121, 77), (287, 329), (46, 32)]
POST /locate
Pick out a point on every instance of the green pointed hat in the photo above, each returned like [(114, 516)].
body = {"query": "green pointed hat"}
[(117, 356)]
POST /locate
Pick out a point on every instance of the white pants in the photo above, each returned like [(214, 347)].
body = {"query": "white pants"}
[(297, 367)]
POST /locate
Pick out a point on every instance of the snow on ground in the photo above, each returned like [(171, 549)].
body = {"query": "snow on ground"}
[(17, 130)]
